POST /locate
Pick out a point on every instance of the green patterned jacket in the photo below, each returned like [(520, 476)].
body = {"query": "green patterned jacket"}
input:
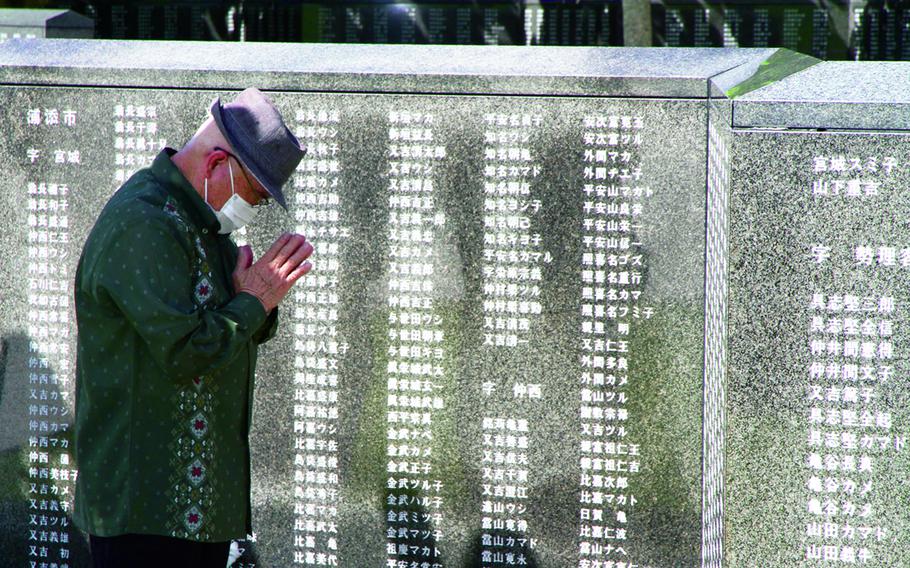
[(164, 372)]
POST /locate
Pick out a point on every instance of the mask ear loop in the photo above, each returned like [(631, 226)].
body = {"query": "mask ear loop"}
[(205, 183), (231, 173)]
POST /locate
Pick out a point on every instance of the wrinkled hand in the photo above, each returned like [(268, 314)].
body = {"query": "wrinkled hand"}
[(271, 277)]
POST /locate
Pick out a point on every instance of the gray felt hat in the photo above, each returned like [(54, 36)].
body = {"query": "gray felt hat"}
[(254, 128)]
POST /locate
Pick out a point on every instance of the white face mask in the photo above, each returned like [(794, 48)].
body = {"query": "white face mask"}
[(236, 212)]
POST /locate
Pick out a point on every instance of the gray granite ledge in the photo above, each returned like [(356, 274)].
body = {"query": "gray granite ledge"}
[(832, 95), (567, 71)]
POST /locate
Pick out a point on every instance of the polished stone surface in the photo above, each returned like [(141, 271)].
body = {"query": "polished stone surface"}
[(832, 95), (333, 437), (376, 68), (716, 293), (721, 227), (665, 378), (804, 480)]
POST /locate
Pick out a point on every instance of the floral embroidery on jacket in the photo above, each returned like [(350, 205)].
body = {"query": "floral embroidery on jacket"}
[(192, 448)]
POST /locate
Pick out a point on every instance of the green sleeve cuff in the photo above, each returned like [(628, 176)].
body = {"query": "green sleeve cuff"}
[(268, 329), (250, 309)]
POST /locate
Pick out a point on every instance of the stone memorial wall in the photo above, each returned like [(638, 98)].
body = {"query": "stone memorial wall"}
[(498, 359), (829, 30), (817, 402), (486, 23), (577, 307), (801, 26)]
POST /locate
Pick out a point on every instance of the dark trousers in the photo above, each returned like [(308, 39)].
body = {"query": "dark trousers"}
[(153, 551)]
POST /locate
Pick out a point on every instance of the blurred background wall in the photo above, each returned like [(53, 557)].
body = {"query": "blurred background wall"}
[(827, 29)]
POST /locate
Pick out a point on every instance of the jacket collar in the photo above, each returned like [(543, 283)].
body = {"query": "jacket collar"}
[(180, 188)]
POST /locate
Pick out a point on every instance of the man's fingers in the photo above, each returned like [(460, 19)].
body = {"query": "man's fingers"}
[(299, 272), (244, 258), (289, 248), (301, 254), (275, 248)]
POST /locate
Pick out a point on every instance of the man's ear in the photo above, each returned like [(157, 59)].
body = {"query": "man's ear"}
[(213, 159)]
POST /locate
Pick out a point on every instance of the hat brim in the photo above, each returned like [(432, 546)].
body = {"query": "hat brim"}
[(261, 177)]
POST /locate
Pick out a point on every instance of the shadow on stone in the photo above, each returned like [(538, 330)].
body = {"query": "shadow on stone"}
[(34, 503), (502, 547), (410, 526)]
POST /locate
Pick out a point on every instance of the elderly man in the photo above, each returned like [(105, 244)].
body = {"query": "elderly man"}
[(170, 313)]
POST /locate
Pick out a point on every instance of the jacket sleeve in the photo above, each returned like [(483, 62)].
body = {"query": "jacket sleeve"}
[(268, 329), (144, 271)]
